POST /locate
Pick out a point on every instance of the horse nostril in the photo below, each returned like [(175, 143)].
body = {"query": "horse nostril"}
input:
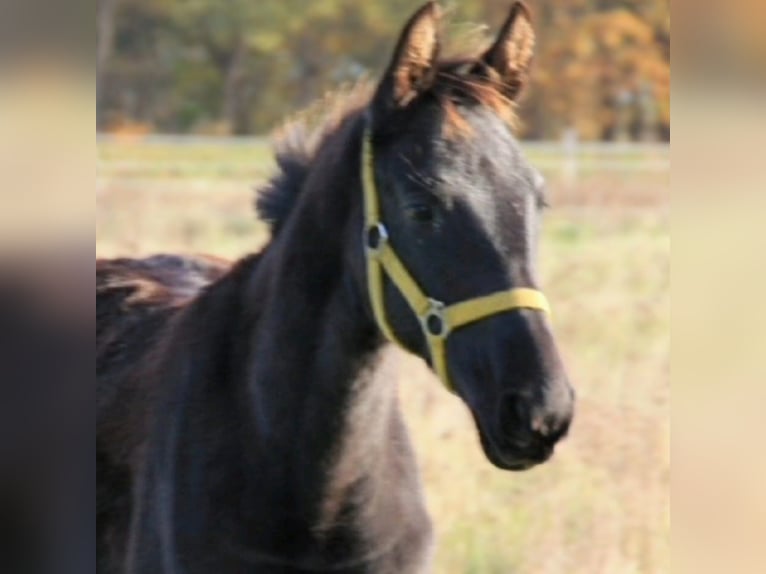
[(539, 425), (524, 420), (547, 425), (552, 425)]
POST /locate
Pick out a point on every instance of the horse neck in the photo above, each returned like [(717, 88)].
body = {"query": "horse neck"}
[(315, 390)]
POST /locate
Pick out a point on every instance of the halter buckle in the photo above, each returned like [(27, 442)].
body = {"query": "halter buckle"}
[(433, 321), (375, 237)]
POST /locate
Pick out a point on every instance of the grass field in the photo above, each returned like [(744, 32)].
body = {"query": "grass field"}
[(601, 506)]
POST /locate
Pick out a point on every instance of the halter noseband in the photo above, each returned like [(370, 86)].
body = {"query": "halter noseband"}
[(437, 320)]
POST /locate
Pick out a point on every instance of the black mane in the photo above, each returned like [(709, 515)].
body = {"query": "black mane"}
[(295, 147)]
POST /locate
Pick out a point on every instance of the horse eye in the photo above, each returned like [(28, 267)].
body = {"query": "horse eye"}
[(421, 213)]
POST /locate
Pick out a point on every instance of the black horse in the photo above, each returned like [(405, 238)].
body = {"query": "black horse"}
[(242, 423)]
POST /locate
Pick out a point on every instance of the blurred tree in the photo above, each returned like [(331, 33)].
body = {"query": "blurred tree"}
[(131, 78), (595, 61), (232, 33), (239, 66), (106, 12)]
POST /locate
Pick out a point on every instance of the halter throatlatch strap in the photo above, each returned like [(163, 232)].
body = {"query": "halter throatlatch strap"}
[(436, 319)]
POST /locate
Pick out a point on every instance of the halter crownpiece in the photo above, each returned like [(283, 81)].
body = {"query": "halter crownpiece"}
[(437, 319)]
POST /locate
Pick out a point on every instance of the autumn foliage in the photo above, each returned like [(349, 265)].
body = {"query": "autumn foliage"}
[(602, 67)]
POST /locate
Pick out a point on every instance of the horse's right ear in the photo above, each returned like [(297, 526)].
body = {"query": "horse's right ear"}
[(413, 67)]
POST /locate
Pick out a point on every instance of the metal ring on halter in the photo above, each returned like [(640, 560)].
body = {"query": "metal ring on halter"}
[(375, 237), (433, 321)]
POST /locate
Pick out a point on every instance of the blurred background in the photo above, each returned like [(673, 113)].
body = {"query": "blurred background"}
[(238, 66), (187, 93)]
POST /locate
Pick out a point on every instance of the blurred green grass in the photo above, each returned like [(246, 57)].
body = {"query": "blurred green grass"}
[(602, 504)]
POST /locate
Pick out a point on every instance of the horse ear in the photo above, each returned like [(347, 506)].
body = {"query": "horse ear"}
[(509, 57), (413, 67)]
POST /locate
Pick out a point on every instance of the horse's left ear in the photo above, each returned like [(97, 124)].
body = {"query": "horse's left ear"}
[(508, 59), (413, 67)]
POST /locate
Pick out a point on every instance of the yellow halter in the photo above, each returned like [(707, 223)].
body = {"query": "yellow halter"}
[(437, 320)]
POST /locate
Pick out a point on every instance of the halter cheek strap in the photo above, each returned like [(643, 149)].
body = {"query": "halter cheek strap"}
[(437, 320)]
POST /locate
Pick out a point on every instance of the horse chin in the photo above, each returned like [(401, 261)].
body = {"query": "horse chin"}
[(504, 460)]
